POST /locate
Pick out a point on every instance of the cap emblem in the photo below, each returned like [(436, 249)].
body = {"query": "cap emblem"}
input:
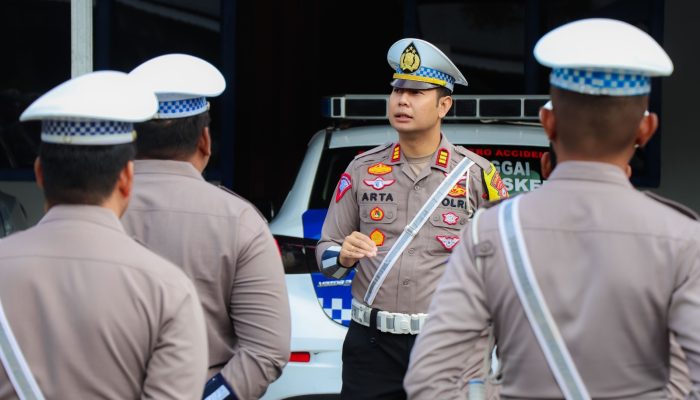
[(410, 59)]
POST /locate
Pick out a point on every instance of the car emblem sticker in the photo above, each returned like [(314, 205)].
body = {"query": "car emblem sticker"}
[(457, 191), (379, 169), (344, 185), (377, 237), (378, 183), (448, 242), (450, 218), (376, 214)]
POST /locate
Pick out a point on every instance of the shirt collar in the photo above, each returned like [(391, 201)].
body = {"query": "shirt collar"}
[(82, 212), (590, 171), (171, 167), (439, 160)]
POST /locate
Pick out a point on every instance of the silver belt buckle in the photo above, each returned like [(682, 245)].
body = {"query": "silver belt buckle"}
[(402, 323)]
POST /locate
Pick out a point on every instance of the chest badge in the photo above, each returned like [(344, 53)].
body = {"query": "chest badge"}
[(378, 183), (448, 242), (450, 218), (379, 169), (377, 237), (457, 191), (376, 214)]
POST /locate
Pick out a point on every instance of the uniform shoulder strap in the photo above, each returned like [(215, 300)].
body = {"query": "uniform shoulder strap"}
[(478, 160), (374, 150), (683, 209), (231, 192)]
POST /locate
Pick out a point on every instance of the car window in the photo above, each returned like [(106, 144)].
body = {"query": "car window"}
[(519, 167)]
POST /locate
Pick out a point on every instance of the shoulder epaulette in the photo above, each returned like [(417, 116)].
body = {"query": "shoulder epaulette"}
[(683, 209), (374, 150), (478, 160), (231, 192)]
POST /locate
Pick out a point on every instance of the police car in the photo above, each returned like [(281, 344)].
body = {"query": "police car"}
[(503, 129)]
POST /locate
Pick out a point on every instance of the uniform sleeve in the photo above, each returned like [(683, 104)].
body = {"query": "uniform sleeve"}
[(451, 346), (684, 311), (259, 311), (493, 184), (342, 219), (177, 368)]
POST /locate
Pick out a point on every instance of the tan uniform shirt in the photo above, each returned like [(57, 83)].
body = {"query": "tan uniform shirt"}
[(617, 269), (97, 315), (224, 245), (379, 195)]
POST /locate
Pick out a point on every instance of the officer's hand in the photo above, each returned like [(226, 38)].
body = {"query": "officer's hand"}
[(355, 246)]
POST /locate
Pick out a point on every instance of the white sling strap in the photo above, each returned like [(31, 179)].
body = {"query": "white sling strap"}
[(412, 229), (533, 302), (15, 365)]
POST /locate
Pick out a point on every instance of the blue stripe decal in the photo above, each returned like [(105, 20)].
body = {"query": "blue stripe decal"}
[(312, 221)]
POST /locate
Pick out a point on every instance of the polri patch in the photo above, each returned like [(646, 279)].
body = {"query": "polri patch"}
[(344, 185), (448, 242), (376, 214), (377, 237), (378, 183), (379, 169)]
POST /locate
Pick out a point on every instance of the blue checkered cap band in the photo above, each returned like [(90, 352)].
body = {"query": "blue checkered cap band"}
[(182, 108), (427, 72), (87, 132), (598, 82)]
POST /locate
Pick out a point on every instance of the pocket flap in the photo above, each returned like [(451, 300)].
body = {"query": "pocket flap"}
[(378, 213)]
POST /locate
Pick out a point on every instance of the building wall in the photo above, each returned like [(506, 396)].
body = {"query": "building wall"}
[(680, 143)]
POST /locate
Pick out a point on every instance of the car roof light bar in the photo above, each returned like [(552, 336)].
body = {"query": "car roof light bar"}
[(464, 107)]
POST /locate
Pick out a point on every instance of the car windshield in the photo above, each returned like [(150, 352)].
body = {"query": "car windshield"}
[(519, 167)]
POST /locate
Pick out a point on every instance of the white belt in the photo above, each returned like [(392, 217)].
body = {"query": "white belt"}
[(387, 321)]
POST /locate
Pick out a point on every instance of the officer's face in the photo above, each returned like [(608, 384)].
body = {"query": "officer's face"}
[(413, 110)]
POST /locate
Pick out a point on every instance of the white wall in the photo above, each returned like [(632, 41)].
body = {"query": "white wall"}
[(680, 143)]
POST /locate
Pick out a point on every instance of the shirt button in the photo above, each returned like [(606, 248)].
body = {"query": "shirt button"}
[(435, 218), (406, 282), (390, 214), (411, 251), (416, 187)]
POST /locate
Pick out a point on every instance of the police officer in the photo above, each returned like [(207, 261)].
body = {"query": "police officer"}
[(380, 193), (618, 270), (218, 239), (94, 314)]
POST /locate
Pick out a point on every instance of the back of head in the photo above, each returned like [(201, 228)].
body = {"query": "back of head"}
[(597, 125), (170, 139), (182, 83), (87, 134), (601, 70)]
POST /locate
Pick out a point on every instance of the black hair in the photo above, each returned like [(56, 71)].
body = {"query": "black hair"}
[(170, 139), (77, 174)]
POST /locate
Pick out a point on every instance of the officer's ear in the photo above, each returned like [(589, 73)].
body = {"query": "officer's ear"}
[(39, 173), (548, 123), (444, 105), (204, 142), (647, 128)]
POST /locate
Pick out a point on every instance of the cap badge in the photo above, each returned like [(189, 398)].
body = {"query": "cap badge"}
[(410, 59)]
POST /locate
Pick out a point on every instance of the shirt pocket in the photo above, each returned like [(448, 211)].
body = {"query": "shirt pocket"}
[(445, 225), (378, 214)]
